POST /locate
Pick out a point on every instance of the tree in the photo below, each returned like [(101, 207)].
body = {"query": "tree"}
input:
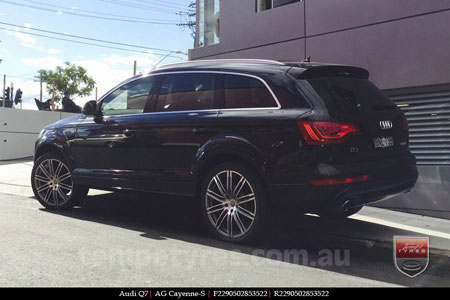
[(69, 77)]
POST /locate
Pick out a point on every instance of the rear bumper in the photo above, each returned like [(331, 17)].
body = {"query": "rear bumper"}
[(385, 181), (365, 193)]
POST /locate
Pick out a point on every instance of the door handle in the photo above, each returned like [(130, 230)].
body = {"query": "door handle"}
[(201, 130), (129, 133)]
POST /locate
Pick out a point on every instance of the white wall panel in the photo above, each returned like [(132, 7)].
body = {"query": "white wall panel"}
[(19, 129)]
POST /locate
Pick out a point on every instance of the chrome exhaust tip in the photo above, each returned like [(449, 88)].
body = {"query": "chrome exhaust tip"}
[(346, 205)]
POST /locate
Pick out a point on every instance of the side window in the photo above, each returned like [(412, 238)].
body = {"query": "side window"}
[(129, 98), (188, 91), (246, 92)]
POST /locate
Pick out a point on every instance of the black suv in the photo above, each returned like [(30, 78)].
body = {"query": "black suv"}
[(243, 138)]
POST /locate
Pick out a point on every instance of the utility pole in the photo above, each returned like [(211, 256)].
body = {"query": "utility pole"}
[(40, 84), (189, 17), (134, 68), (40, 90), (4, 87), (11, 96), (53, 96), (96, 93), (4, 90)]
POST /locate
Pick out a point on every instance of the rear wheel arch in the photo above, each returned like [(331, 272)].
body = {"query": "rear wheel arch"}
[(220, 156)]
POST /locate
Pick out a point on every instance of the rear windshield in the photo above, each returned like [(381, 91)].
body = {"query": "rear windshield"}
[(350, 94)]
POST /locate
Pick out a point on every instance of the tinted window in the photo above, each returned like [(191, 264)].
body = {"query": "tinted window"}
[(129, 98), (180, 92), (246, 92), (346, 94), (289, 98)]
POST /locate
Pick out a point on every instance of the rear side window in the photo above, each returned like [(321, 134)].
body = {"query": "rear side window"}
[(180, 92), (246, 92), (347, 94)]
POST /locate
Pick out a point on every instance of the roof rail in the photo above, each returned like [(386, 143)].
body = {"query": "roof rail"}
[(209, 61)]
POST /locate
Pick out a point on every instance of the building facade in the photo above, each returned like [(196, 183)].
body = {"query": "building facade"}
[(405, 45)]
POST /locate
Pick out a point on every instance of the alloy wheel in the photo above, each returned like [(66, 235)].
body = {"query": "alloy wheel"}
[(230, 204), (53, 182)]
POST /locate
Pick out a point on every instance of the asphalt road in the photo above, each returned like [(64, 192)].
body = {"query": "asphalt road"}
[(143, 240)]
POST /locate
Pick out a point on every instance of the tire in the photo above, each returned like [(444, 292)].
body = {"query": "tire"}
[(236, 212), (341, 214), (51, 180)]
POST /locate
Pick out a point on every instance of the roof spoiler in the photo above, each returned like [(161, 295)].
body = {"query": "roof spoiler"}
[(330, 71)]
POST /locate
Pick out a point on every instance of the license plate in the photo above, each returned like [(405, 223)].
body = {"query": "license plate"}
[(383, 142)]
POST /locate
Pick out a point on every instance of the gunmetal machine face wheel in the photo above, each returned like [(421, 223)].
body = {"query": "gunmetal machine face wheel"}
[(53, 182), (230, 204)]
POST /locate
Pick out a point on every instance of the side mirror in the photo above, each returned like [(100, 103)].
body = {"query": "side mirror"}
[(90, 109)]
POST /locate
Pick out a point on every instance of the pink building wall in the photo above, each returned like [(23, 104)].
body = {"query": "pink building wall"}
[(402, 43)]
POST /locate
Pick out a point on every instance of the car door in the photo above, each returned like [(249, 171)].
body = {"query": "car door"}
[(251, 113), (106, 147), (183, 118)]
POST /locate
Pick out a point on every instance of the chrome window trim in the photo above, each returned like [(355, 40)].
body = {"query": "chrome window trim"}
[(277, 102)]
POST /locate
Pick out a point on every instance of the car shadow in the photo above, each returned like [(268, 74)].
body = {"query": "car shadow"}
[(161, 217)]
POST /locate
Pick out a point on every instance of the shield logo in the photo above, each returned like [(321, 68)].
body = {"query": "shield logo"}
[(411, 255)]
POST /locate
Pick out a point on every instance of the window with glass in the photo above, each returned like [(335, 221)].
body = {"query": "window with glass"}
[(246, 92), (187, 91), (262, 5), (350, 94), (208, 30), (129, 98)]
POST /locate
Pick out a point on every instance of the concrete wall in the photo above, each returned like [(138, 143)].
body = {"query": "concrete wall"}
[(19, 129), (430, 197)]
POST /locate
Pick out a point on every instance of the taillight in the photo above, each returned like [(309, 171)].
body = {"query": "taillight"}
[(405, 125), (346, 180), (320, 133)]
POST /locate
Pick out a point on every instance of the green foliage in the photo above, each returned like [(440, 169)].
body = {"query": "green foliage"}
[(69, 77)]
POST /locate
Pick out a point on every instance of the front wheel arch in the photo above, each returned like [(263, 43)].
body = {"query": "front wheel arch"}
[(48, 147)]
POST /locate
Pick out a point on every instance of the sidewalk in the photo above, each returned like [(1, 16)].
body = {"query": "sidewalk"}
[(372, 227), (15, 178)]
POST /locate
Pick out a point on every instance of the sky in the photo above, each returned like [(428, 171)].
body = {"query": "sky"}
[(24, 50)]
